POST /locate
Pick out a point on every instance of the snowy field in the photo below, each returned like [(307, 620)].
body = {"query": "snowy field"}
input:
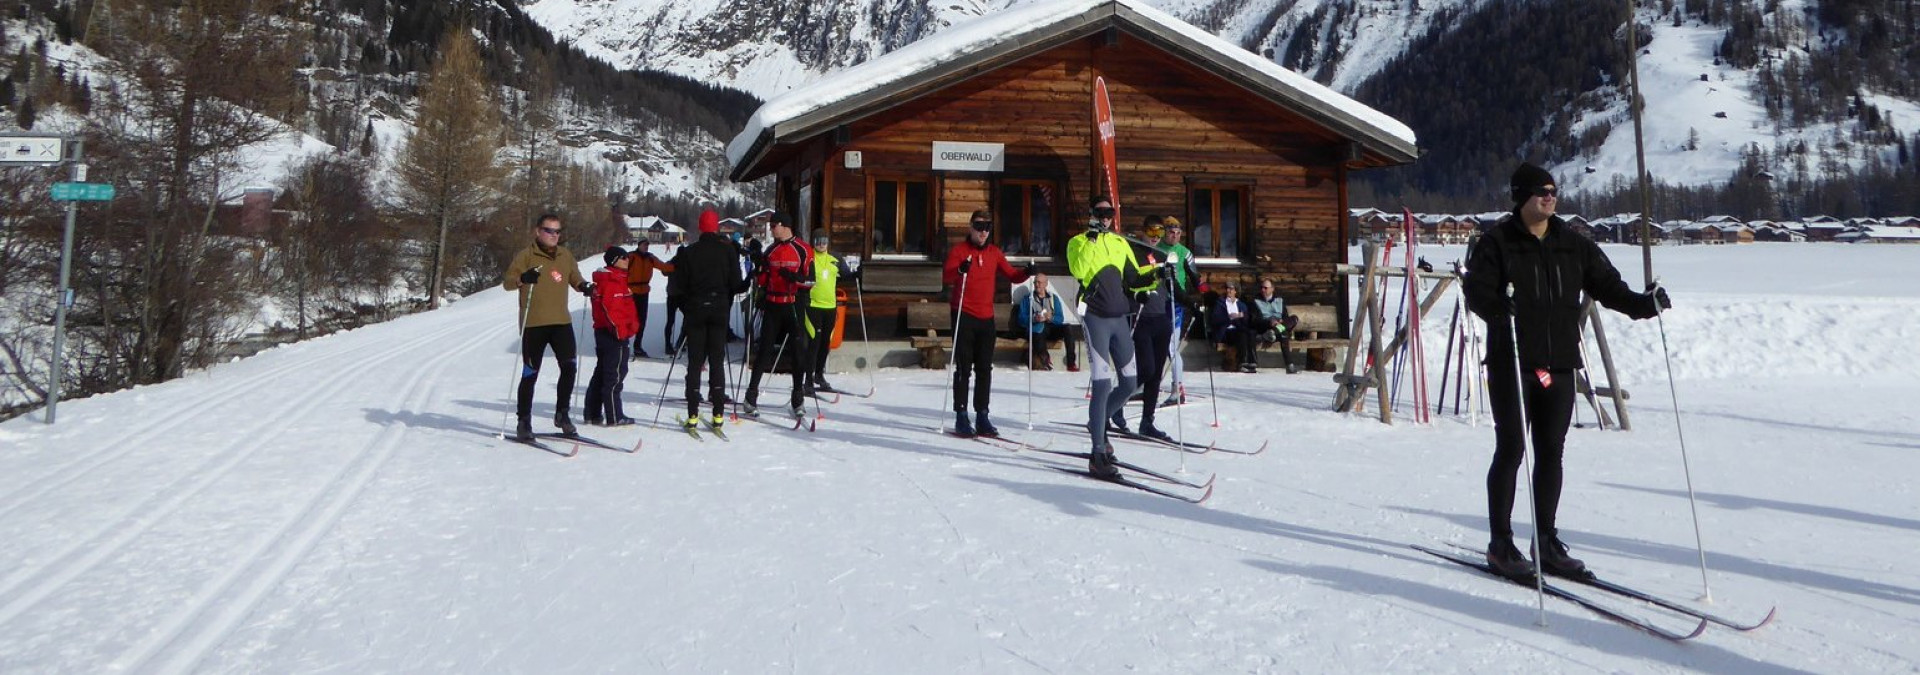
[(340, 506)]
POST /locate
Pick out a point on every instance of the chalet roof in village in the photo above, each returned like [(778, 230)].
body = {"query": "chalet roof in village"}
[(974, 47)]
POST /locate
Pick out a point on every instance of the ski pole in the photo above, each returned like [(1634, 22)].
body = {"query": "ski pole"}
[(1526, 453), (661, 400), (953, 348), (1030, 339), (1446, 365), (1706, 593), (520, 360), (1180, 409), (864, 342)]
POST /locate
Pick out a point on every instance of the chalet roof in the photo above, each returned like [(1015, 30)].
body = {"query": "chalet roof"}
[(970, 48), (1720, 219)]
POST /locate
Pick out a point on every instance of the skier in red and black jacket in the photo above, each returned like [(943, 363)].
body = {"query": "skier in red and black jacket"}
[(615, 322), (784, 277), (973, 268)]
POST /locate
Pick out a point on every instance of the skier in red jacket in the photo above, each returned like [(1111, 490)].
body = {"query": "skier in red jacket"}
[(974, 268), (614, 324), (785, 275)]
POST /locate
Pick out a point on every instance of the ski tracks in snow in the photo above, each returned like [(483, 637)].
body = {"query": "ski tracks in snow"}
[(62, 574)]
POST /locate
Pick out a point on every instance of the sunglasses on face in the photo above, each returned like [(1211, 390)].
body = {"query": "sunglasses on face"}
[(1103, 212), (550, 230), (982, 224), (1546, 191)]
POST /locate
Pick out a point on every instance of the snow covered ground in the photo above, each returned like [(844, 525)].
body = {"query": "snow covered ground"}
[(339, 506)]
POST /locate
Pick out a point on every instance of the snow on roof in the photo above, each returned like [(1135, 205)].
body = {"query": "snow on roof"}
[(652, 224), (810, 109)]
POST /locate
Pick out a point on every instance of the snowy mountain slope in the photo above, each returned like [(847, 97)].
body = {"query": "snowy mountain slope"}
[(339, 505), (770, 47)]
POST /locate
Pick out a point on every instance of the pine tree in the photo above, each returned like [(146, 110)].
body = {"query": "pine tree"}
[(25, 116), (448, 170)]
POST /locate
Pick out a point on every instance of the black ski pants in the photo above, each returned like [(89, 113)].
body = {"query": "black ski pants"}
[(822, 319), (533, 345), (781, 332), (706, 348), (640, 310), (973, 359), (1550, 408), (667, 337), (609, 377), (1152, 344)]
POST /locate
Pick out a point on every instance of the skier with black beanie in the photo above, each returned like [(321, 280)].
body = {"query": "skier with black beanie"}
[(1525, 277)]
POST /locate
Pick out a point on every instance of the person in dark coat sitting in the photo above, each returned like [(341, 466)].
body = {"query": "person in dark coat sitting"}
[(1232, 332)]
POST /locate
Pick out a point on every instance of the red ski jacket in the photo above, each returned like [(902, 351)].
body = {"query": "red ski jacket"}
[(613, 303), (985, 265), (787, 272)]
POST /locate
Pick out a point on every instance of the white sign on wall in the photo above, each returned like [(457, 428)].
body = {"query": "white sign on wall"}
[(952, 156)]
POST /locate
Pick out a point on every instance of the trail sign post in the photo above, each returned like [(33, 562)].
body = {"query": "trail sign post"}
[(28, 149), (82, 192)]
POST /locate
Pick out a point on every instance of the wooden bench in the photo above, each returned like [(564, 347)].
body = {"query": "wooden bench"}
[(930, 330), (1317, 334)]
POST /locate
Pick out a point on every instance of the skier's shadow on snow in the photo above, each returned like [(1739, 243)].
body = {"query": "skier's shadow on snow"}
[(419, 420), (1083, 497), (1590, 632), (1877, 434), (1720, 561), (1744, 503)]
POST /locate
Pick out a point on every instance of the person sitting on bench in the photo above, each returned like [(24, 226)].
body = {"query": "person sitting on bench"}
[(1271, 323), (1231, 330), (1039, 316)]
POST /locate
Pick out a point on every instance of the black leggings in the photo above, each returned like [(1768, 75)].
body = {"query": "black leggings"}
[(781, 323), (1550, 408), (822, 319), (609, 377), (533, 345), (973, 358), (706, 348), (1152, 344)]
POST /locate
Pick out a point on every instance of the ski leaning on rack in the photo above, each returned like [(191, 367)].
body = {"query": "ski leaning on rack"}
[(535, 442), (1564, 594), (1649, 598), (578, 440)]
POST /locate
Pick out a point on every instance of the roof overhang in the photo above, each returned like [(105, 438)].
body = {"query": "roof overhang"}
[(921, 69)]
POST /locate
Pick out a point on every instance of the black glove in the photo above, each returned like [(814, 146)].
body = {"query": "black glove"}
[(530, 276), (1424, 266), (1030, 269), (1165, 272), (794, 276), (1659, 297), (586, 288), (965, 265)]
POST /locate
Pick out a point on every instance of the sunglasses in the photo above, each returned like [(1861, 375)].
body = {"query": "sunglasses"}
[(1103, 212), (1546, 191), (550, 230)]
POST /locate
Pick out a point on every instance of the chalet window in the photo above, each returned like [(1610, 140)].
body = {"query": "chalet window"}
[(1217, 220), (902, 214), (1027, 222)]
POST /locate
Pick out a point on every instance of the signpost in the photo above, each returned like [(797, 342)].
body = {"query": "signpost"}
[(44, 150), (82, 192)]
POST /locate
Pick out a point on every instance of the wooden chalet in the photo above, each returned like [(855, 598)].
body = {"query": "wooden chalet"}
[(890, 157)]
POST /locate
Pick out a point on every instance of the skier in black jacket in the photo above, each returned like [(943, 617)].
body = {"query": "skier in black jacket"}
[(706, 276), (1548, 266)]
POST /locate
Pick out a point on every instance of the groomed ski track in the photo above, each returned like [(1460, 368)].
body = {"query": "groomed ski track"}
[(341, 505)]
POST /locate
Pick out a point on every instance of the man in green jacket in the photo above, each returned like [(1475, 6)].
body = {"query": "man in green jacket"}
[(542, 273)]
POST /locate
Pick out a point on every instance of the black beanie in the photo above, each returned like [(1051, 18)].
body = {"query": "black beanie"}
[(613, 255), (1525, 179)]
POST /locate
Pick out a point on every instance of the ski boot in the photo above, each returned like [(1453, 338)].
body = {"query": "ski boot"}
[(523, 431), (1555, 561), (1100, 463), (1148, 430), (962, 427), (564, 423), (983, 426), (1507, 560)]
